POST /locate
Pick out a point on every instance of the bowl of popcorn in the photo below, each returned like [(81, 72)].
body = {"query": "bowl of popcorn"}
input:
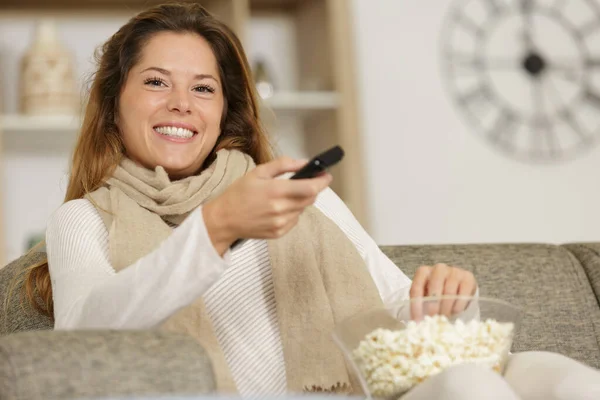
[(393, 349)]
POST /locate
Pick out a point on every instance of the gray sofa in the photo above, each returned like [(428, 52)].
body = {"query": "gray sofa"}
[(557, 287)]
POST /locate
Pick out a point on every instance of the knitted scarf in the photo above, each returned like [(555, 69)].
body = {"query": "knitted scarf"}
[(319, 278)]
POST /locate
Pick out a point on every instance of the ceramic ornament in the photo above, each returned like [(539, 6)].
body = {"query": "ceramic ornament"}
[(48, 84)]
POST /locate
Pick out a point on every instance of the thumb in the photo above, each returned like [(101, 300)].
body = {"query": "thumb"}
[(279, 166)]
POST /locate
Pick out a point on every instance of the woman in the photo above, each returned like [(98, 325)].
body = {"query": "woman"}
[(172, 166)]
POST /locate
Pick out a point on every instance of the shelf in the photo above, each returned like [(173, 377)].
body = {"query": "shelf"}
[(15, 123), (303, 101), (38, 134)]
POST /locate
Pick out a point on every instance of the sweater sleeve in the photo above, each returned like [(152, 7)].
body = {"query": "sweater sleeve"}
[(392, 283), (89, 294)]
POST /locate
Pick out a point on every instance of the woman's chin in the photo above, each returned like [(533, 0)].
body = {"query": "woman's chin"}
[(178, 171)]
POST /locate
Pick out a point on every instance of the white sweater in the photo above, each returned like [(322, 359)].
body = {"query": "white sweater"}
[(237, 289)]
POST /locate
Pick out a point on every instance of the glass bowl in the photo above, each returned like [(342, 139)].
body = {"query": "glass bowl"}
[(393, 349)]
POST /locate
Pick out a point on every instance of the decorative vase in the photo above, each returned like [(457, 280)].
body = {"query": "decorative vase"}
[(48, 84), (263, 80)]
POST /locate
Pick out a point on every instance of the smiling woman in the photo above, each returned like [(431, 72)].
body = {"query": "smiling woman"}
[(172, 103), (171, 167)]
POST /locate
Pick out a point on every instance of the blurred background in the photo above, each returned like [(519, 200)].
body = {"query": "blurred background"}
[(463, 121)]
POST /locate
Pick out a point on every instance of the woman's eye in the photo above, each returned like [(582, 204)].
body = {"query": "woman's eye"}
[(204, 89), (154, 82)]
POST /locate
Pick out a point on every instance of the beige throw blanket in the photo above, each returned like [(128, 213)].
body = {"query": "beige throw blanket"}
[(319, 277)]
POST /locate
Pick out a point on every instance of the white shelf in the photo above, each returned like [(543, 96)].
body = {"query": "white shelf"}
[(14, 123), (43, 134), (302, 101)]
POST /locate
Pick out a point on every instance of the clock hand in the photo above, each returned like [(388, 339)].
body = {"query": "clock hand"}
[(501, 63), (540, 125), (526, 9), (558, 101), (468, 63), (537, 98)]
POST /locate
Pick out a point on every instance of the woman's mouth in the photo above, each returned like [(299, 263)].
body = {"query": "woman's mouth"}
[(174, 133)]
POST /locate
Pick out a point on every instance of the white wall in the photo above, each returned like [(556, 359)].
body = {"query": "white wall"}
[(431, 179)]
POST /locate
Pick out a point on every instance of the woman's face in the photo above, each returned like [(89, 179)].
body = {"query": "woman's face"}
[(171, 104)]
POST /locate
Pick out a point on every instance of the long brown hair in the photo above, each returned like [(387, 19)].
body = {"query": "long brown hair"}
[(99, 147)]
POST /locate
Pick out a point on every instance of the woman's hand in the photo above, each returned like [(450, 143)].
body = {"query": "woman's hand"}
[(259, 206), (439, 280)]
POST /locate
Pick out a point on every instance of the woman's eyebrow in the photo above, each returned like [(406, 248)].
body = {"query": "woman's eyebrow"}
[(168, 73)]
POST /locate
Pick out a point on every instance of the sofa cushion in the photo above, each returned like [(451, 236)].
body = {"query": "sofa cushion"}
[(588, 255), (16, 314), (560, 312), (53, 365)]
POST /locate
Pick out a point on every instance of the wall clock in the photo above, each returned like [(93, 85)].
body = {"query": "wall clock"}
[(526, 74)]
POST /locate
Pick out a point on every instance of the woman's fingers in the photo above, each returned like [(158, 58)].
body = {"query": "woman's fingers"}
[(303, 188), (417, 289), (437, 279), (467, 287), (435, 287), (450, 287), (441, 280), (278, 166), (284, 204), (260, 206)]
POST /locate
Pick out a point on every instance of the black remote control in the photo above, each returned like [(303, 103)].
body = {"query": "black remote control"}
[(320, 163), (313, 168)]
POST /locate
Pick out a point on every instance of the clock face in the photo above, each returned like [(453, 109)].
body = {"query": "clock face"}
[(526, 74)]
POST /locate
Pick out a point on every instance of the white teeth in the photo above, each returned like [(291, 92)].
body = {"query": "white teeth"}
[(173, 131)]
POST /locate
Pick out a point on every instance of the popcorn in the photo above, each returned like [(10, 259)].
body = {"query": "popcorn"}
[(392, 362)]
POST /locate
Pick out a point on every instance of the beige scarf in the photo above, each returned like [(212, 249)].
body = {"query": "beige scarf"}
[(319, 277)]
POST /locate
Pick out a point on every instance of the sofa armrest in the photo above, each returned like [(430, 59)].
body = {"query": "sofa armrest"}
[(83, 364)]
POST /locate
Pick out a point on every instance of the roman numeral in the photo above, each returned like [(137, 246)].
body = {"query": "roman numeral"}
[(466, 60), (465, 64), (570, 119), (469, 24), (480, 92), (504, 128), (477, 100)]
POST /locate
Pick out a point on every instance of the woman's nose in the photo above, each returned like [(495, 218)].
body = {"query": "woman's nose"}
[(179, 102)]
